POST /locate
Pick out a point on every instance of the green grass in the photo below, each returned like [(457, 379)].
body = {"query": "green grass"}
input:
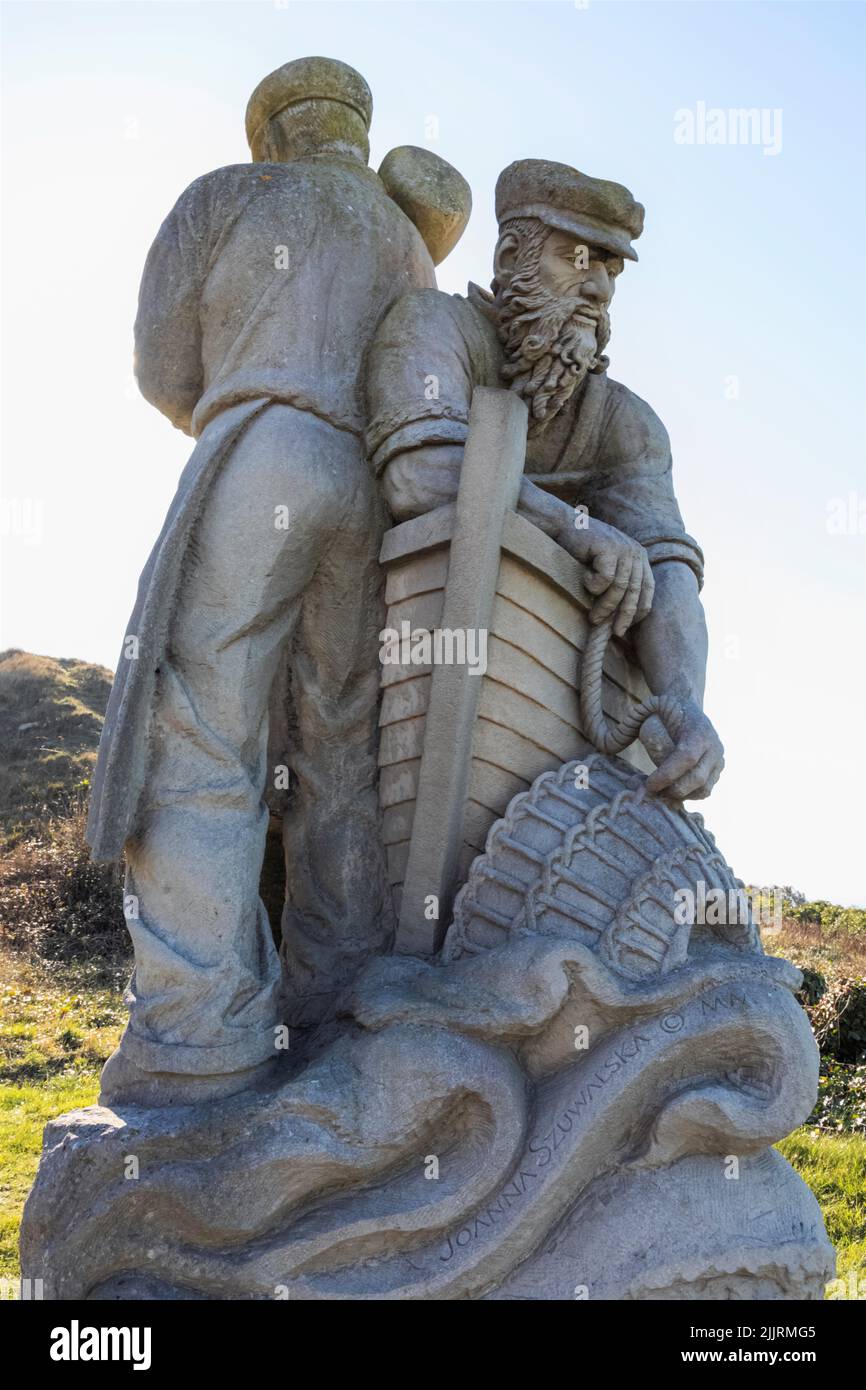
[(24, 1111), (57, 1026), (834, 1166)]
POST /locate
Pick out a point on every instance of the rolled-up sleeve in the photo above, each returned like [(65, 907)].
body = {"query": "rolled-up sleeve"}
[(419, 379)]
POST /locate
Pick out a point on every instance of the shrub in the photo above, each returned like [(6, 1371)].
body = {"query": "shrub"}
[(841, 1104), (830, 916), (55, 905), (839, 1020), (813, 988)]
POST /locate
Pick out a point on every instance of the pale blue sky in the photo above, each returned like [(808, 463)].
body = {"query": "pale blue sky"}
[(751, 268)]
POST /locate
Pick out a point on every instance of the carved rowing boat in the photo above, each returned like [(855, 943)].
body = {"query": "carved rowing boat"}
[(456, 747)]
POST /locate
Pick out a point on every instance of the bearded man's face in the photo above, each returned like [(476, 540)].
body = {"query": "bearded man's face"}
[(552, 314)]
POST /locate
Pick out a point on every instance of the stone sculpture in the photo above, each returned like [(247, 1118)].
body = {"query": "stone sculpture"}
[(259, 299), (564, 238), (552, 1083)]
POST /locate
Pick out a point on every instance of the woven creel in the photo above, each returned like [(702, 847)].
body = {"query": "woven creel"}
[(586, 853)]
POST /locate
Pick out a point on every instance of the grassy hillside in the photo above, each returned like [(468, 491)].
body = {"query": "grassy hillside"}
[(51, 714)]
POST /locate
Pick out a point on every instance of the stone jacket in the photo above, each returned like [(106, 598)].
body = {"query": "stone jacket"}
[(268, 280), (606, 448)]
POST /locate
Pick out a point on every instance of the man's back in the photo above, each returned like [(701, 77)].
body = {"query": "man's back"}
[(268, 280)]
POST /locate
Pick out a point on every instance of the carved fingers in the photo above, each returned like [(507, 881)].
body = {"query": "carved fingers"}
[(620, 575), (694, 766), (639, 594)]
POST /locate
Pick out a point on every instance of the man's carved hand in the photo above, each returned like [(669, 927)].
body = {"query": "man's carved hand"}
[(690, 768), (619, 573)]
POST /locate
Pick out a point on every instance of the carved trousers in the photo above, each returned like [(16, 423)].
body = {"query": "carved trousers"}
[(285, 554)]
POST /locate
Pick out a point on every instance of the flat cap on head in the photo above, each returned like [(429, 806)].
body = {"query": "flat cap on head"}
[(604, 213), (307, 79)]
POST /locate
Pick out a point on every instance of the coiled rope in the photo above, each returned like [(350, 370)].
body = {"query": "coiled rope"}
[(596, 728)]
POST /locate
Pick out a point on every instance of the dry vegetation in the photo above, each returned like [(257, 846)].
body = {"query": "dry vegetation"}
[(55, 905), (51, 715)]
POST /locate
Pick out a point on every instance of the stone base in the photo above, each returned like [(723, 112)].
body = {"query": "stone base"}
[(686, 1232), (562, 1106), (410, 1160)]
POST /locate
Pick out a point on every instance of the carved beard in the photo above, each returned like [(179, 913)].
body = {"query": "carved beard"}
[(548, 351)]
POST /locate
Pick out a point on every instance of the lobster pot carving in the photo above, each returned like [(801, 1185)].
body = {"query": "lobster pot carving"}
[(586, 855)]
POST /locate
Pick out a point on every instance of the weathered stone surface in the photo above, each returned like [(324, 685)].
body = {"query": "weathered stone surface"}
[(555, 1166), (432, 194), (575, 1097), (685, 1232), (259, 300)]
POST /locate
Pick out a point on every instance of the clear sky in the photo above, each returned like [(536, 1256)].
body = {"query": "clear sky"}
[(742, 324)]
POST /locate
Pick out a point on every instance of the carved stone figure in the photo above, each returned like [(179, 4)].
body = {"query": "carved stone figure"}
[(563, 240), (259, 299), (557, 1085)]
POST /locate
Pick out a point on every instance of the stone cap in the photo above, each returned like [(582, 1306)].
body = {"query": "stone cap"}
[(307, 79), (604, 213)]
